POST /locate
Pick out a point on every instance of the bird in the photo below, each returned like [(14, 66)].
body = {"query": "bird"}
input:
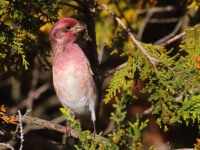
[(72, 75)]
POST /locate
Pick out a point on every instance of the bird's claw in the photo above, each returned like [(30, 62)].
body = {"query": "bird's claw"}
[(94, 133), (68, 130)]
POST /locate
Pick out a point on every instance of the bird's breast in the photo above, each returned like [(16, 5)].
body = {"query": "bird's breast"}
[(73, 82)]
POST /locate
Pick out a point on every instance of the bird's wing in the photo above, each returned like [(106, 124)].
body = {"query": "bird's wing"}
[(88, 64), (84, 100)]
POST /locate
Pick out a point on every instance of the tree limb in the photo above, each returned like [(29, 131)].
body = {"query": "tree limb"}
[(51, 126)]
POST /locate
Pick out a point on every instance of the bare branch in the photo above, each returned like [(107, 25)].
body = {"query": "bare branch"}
[(165, 20), (112, 71), (173, 39), (157, 10), (49, 125), (43, 123)]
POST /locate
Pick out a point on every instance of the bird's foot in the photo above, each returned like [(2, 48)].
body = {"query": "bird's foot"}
[(70, 132), (68, 129), (94, 133)]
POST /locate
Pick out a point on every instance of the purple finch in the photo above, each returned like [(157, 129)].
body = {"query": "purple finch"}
[(72, 75)]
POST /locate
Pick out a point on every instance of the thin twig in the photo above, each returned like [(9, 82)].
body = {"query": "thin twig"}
[(183, 149), (156, 10), (112, 71), (172, 33), (152, 60), (173, 39), (164, 20), (178, 74)]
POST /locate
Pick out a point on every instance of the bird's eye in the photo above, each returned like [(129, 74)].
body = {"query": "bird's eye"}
[(68, 27)]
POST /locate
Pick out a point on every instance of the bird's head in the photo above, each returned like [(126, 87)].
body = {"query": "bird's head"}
[(65, 31)]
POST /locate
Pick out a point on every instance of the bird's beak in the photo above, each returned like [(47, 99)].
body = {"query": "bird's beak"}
[(79, 27)]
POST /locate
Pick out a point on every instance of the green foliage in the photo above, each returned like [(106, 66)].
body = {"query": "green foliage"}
[(119, 118), (172, 84), (191, 44), (131, 130), (173, 79), (19, 29), (116, 140), (88, 141), (75, 124), (134, 132), (189, 112)]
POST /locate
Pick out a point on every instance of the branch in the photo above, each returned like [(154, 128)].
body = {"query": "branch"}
[(173, 39), (42, 123), (152, 60), (165, 20), (49, 125), (156, 10)]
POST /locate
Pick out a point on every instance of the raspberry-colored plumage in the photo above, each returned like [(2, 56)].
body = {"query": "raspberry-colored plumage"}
[(72, 75)]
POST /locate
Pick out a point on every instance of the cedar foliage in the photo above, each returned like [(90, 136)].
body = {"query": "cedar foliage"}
[(172, 81), (20, 24)]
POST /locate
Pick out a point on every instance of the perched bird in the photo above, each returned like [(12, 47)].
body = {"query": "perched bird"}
[(72, 75)]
